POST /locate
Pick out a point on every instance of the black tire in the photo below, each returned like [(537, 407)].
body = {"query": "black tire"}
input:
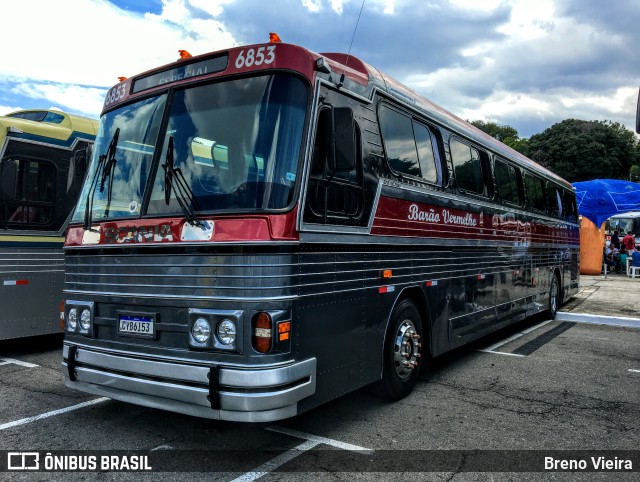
[(554, 297), (403, 352)]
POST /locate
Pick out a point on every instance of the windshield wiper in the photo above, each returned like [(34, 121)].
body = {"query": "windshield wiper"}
[(107, 171), (106, 163), (173, 178)]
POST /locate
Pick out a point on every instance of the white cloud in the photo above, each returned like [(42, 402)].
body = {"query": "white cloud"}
[(100, 42), (81, 99), (313, 6), (5, 109), (336, 6)]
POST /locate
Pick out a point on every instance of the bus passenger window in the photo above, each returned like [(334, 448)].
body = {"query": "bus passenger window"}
[(554, 206), (535, 192), (569, 206), (507, 182), (426, 156), (467, 168), (397, 133)]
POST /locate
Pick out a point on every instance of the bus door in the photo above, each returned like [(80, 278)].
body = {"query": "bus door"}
[(333, 315)]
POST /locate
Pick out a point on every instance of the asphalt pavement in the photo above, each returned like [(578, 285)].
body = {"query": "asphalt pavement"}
[(611, 299)]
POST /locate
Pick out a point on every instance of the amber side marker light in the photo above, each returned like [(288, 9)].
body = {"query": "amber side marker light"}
[(284, 330), (386, 273), (274, 38), (262, 332)]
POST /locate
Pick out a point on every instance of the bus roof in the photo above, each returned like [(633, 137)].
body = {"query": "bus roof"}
[(629, 215), (53, 124), (359, 78)]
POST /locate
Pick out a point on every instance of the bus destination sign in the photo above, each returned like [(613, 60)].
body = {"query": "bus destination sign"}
[(182, 72)]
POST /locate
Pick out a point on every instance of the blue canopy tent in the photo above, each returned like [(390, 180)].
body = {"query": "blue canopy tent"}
[(600, 199), (597, 201)]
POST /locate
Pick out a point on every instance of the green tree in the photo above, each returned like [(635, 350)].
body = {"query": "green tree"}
[(581, 150), (504, 133), (634, 173)]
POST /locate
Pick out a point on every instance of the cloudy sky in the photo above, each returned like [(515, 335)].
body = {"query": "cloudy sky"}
[(524, 63)]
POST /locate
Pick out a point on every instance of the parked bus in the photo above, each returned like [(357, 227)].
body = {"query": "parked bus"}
[(265, 228), (42, 166), (624, 223)]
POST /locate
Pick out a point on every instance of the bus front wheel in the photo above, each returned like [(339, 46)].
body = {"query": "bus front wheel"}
[(403, 352)]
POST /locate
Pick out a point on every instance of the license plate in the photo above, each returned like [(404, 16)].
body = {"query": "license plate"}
[(136, 325)]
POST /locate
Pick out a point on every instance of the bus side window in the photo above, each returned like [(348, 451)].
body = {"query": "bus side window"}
[(399, 143), (569, 207), (507, 182), (335, 193), (535, 192), (468, 169), (30, 200), (554, 205), (409, 146)]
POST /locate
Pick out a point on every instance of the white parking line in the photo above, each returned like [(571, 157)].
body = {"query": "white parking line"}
[(490, 349), (276, 462), (321, 440), (503, 353), (6, 361), (51, 414), (634, 370), (311, 441)]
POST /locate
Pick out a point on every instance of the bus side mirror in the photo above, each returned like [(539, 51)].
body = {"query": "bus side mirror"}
[(342, 140), (8, 178)]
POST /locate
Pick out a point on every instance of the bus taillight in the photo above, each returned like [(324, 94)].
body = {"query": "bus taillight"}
[(262, 332)]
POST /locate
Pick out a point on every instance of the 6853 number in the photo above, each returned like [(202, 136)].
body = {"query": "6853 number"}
[(259, 56)]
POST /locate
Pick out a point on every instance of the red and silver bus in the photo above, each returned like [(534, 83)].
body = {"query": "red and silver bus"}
[(266, 228)]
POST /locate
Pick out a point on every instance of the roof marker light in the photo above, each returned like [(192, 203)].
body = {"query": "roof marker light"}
[(184, 54), (122, 79), (274, 38)]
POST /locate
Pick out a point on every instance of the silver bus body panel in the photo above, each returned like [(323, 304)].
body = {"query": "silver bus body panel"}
[(31, 291)]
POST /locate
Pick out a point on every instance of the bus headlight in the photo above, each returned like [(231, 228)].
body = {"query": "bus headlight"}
[(85, 320), (211, 329), (79, 317), (72, 319), (201, 330), (226, 332)]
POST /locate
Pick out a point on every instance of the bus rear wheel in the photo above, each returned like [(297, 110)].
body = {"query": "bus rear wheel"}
[(402, 352), (554, 297)]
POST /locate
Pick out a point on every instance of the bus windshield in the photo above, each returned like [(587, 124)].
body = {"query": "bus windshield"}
[(227, 146)]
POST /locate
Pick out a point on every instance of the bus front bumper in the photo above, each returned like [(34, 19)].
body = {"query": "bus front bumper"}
[(242, 394)]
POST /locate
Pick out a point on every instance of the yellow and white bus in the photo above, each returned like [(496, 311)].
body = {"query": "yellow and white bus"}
[(43, 157)]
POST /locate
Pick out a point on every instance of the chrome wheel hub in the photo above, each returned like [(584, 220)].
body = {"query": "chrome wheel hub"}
[(406, 349)]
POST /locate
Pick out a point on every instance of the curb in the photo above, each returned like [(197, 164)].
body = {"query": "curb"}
[(598, 319)]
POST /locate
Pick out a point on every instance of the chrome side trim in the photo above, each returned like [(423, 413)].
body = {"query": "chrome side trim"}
[(181, 393), (184, 408), (270, 377), (168, 370)]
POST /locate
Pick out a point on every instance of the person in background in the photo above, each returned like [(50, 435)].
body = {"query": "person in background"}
[(608, 258), (615, 240), (623, 258), (629, 242)]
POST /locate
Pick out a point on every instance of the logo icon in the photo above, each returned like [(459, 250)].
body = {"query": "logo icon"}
[(23, 461)]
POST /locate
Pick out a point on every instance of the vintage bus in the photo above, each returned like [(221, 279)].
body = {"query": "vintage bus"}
[(265, 228), (42, 165)]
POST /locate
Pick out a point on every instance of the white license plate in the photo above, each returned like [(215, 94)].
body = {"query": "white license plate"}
[(136, 325)]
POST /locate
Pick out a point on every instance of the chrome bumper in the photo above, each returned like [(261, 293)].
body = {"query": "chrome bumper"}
[(224, 393)]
